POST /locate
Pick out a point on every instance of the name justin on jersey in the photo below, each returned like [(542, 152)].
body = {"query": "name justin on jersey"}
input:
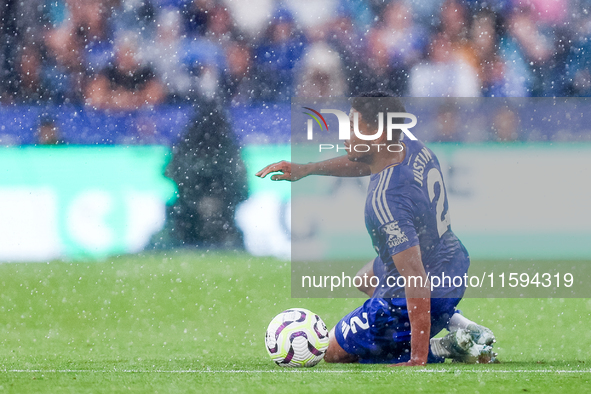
[(419, 164)]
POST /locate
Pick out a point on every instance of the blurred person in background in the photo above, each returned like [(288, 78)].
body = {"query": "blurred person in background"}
[(220, 26), (30, 85), (166, 56), (240, 86), (48, 134), (578, 63), (320, 73), (212, 70), (361, 13), (443, 74), (21, 30), (529, 50), (4, 45), (454, 120), (211, 180), (498, 77), (91, 23), (127, 84), (203, 54), (395, 44), (454, 25), (135, 15), (79, 44), (426, 12), (448, 123), (195, 16), (280, 50), (505, 125), (63, 71), (344, 37), (550, 12)]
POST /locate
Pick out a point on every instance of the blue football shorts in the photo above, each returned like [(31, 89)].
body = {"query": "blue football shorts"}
[(379, 330)]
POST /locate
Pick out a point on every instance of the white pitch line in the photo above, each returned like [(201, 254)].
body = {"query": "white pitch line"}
[(237, 371)]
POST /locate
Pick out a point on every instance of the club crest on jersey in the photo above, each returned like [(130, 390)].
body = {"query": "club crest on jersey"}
[(395, 235)]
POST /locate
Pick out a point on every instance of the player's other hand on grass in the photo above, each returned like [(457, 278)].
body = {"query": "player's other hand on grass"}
[(411, 363), (289, 171)]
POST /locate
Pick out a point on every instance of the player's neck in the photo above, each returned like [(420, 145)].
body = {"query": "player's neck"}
[(385, 159)]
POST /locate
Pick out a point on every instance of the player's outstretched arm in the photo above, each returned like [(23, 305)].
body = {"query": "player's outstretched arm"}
[(338, 166), (418, 304)]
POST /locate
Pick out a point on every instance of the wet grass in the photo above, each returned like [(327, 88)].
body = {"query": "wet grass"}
[(191, 321)]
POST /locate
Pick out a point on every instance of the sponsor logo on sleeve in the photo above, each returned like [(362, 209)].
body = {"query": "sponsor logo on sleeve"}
[(395, 235)]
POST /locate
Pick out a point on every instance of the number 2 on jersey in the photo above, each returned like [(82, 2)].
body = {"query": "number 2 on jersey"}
[(433, 177)]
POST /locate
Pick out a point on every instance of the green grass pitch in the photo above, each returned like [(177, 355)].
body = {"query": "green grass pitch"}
[(195, 322)]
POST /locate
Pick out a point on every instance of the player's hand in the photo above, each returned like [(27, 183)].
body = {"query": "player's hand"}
[(289, 171), (411, 363)]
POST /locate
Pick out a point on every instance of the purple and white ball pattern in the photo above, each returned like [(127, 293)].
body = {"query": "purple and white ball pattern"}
[(296, 338)]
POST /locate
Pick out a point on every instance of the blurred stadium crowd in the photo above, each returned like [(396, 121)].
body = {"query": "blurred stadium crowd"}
[(157, 70), (125, 54)]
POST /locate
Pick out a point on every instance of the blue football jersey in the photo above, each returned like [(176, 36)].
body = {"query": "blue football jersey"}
[(406, 206)]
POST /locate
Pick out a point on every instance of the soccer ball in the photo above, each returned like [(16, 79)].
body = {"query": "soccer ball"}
[(296, 338)]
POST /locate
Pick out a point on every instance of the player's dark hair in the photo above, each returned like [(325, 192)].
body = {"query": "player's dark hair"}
[(369, 104)]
